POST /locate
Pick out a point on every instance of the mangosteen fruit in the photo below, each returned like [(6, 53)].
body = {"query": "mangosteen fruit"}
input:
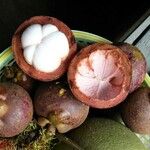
[(100, 75), (43, 47), (16, 109), (136, 111), (138, 64), (55, 102)]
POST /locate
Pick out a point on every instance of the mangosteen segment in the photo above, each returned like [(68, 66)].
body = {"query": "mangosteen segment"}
[(97, 74), (44, 46), (100, 75)]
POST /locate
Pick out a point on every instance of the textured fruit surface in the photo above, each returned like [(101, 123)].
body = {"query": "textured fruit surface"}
[(56, 102), (136, 111), (100, 75), (138, 64), (16, 109), (104, 134)]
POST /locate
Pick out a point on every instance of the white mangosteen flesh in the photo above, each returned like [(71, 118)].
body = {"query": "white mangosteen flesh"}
[(98, 76), (44, 47)]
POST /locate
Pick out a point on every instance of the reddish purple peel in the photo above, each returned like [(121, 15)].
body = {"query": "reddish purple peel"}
[(55, 102), (16, 109), (138, 74), (135, 111), (100, 75), (138, 64)]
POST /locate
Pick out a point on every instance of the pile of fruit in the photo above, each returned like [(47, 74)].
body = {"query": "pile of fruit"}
[(61, 96)]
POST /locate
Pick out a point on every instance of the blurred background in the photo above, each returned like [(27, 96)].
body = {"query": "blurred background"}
[(104, 18)]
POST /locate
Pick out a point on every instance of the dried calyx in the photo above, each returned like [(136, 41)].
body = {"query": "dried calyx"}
[(43, 47), (100, 75)]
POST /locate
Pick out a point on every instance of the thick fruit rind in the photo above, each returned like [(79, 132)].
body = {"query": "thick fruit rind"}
[(18, 50), (125, 67)]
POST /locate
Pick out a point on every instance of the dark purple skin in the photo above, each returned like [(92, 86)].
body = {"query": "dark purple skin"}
[(55, 102), (16, 109), (138, 64), (136, 111)]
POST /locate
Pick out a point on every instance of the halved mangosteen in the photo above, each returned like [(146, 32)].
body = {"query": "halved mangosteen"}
[(100, 75), (43, 47)]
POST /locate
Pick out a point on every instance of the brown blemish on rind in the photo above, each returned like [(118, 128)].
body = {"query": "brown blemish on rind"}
[(18, 50)]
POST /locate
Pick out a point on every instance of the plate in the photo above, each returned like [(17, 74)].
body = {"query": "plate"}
[(83, 39)]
